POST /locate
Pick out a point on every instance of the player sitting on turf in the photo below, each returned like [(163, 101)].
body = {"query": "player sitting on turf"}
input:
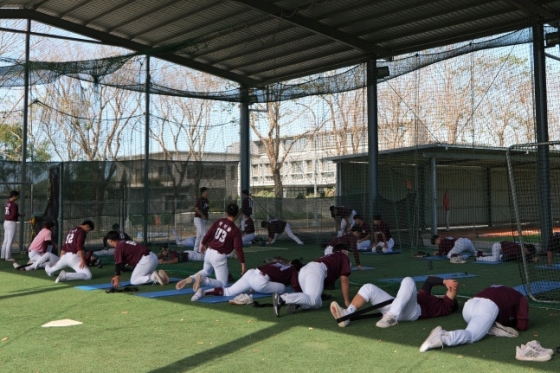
[(248, 232), (39, 250), (408, 305), (350, 239), (268, 278), (343, 217), (509, 252), (364, 241), (452, 247), (276, 227), (492, 311), (314, 276), (138, 256), (382, 238)]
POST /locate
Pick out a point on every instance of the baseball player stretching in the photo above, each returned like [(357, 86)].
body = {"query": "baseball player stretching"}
[(346, 216), (222, 238), (38, 251), (11, 216), (486, 313), (452, 246), (276, 227), (72, 255), (408, 305), (269, 278), (200, 216), (142, 259), (314, 276)]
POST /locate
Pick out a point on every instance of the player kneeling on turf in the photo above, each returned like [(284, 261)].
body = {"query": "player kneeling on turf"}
[(138, 256)]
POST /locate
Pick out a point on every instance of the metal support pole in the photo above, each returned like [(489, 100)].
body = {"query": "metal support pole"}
[(489, 195), (433, 171), (245, 140), (373, 151), (147, 154), (23, 177), (543, 170)]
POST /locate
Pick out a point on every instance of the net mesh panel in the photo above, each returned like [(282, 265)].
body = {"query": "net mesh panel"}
[(108, 71), (472, 95), (536, 217)]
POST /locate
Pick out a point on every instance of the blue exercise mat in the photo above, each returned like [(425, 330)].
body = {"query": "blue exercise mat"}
[(375, 253), (539, 287), (488, 263), (424, 277), (109, 285), (167, 293), (554, 266), (434, 257), (364, 268), (221, 299)]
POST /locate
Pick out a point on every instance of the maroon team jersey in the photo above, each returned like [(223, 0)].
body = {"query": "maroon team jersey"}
[(11, 211), (380, 228), (249, 226), (129, 252), (276, 226), (351, 242), (75, 240), (337, 265), (513, 306), (203, 205), (364, 230), (445, 245), (223, 236), (247, 206), (511, 251), (433, 306), (282, 273)]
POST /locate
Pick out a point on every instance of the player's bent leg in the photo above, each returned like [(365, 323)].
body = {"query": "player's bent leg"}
[(143, 273), (389, 248), (404, 306), (374, 295), (242, 285), (479, 313)]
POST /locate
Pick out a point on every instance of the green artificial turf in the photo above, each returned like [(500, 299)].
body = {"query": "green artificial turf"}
[(122, 332)]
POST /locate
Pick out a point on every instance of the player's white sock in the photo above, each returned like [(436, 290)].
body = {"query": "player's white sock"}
[(351, 309)]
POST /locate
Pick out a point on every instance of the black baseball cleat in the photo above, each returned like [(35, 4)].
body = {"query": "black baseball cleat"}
[(277, 303)]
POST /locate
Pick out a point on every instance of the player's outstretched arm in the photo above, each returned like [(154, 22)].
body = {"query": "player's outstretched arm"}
[(345, 288)]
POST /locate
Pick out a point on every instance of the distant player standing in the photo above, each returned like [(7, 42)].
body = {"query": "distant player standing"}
[(11, 217), (222, 238), (72, 255), (200, 216), (137, 256)]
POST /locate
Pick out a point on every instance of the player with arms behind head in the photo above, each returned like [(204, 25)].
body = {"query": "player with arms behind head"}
[(222, 238)]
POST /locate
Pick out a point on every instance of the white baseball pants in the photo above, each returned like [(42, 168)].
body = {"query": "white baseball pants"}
[(214, 261), (290, 233), (496, 254), (200, 225), (73, 261), (143, 273), (461, 245), (254, 279), (480, 314), (311, 279), (41, 260), (248, 239), (365, 245), (10, 228)]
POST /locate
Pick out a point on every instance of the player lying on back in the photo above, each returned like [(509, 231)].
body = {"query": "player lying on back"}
[(408, 305)]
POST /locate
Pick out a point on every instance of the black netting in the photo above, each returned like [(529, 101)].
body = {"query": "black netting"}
[(108, 71)]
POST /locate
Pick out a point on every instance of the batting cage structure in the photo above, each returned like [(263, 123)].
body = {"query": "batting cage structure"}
[(130, 139), (534, 176)]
